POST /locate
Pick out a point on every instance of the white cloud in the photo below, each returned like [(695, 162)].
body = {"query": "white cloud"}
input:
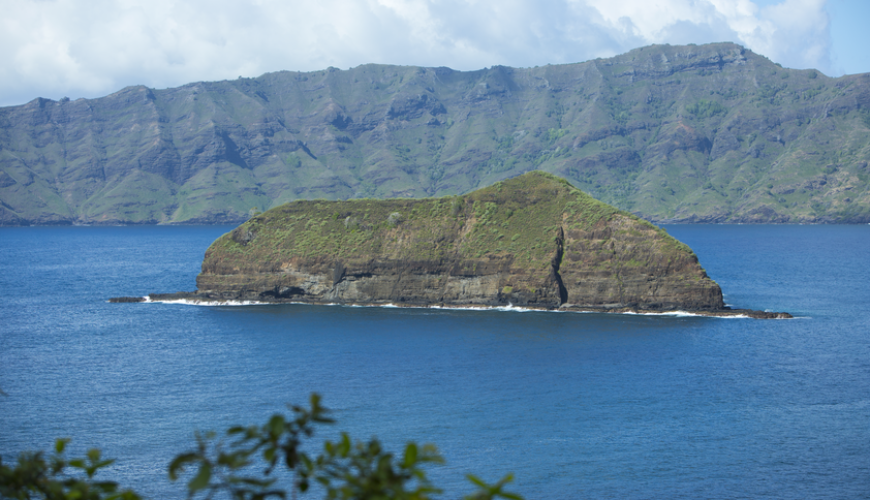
[(54, 48)]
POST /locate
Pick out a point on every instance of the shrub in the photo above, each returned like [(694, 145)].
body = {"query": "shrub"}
[(226, 467), (394, 219), (705, 108)]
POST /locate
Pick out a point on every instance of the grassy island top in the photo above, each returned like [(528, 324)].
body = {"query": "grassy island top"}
[(521, 218)]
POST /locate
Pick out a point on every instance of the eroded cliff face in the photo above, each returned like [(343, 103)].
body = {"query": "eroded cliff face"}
[(532, 241)]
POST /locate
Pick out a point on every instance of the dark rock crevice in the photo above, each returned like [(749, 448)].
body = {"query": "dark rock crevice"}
[(556, 264), (338, 272)]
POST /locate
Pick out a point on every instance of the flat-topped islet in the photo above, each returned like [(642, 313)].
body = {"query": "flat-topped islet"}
[(532, 241)]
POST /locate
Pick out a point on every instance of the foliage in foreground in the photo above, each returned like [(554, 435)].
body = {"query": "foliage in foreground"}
[(242, 465)]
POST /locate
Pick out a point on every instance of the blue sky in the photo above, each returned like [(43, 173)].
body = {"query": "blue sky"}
[(90, 48), (850, 35)]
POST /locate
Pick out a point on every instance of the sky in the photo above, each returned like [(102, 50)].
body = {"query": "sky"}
[(91, 48)]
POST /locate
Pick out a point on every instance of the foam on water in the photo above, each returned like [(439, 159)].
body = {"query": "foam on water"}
[(507, 308), (210, 303), (682, 314)]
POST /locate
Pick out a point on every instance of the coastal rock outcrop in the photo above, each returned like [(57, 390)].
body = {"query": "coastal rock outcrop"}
[(531, 241)]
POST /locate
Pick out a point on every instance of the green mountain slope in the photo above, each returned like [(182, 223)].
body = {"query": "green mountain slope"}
[(683, 133)]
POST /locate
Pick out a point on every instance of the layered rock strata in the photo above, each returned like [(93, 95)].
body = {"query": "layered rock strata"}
[(531, 241)]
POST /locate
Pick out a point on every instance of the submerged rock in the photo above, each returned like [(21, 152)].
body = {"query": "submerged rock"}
[(532, 241), (123, 300)]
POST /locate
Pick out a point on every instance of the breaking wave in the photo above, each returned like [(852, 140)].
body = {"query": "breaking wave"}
[(210, 303), (507, 308)]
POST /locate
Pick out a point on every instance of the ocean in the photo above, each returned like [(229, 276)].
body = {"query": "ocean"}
[(575, 405)]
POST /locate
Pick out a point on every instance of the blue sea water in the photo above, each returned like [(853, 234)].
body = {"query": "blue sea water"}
[(575, 405)]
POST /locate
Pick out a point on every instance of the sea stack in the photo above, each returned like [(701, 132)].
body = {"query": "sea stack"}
[(532, 241)]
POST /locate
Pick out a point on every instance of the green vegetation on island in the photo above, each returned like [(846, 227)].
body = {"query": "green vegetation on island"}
[(520, 217)]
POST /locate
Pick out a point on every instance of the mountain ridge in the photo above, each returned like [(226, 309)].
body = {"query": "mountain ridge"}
[(711, 133)]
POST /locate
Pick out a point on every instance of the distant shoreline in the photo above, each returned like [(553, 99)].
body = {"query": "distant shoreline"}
[(658, 223)]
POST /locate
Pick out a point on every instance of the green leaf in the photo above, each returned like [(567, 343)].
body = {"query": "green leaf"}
[(263, 483), (202, 478), (60, 445), (178, 463), (315, 400), (410, 455), (477, 481), (104, 463), (107, 486), (276, 425), (344, 447)]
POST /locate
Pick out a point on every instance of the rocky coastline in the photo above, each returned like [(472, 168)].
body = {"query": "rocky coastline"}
[(532, 242), (196, 298)]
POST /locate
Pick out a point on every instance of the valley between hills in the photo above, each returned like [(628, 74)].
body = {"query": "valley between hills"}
[(710, 133)]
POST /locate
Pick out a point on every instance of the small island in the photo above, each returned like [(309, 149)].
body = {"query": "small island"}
[(533, 241)]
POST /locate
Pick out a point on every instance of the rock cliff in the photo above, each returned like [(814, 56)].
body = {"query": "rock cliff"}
[(532, 241)]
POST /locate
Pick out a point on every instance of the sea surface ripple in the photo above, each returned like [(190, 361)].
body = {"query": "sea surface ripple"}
[(575, 405)]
